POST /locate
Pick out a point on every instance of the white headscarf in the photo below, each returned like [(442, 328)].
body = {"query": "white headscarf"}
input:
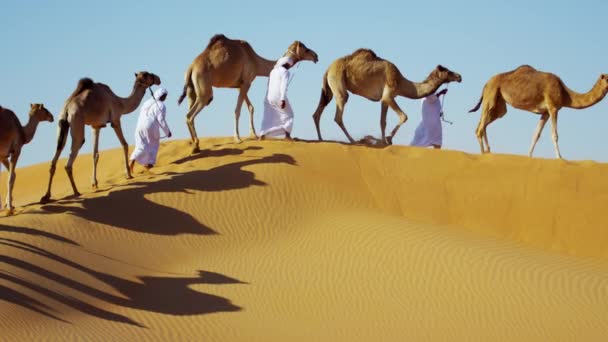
[(284, 60), (158, 93)]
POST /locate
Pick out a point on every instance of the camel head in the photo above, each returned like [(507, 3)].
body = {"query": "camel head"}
[(146, 79), (446, 75), (604, 82), (299, 52), (38, 112)]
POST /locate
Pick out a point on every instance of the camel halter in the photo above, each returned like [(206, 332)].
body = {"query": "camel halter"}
[(442, 115)]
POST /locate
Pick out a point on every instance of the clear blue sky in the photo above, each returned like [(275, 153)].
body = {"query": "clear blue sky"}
[(48, 45)]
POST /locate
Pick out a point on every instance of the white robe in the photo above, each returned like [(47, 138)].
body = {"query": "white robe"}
[(428, 132), (147, 134), (276, 120)]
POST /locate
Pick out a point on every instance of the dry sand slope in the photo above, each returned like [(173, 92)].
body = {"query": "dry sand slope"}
[(282, 241)]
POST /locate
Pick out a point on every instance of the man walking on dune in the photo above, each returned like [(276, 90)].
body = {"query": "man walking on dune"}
[(278, 115)]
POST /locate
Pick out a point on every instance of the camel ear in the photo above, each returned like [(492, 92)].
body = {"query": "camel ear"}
[(441, 68), (135, 75)]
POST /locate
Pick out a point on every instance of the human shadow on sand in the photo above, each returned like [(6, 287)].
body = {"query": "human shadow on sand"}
[(165, 295), (128, 208)]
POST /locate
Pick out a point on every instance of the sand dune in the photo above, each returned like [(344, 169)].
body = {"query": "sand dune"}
[(296, 241)]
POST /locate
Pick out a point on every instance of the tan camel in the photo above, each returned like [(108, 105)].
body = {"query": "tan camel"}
[(535, 91), (12, 138), (229, 63), (365, 74), (95, 104)]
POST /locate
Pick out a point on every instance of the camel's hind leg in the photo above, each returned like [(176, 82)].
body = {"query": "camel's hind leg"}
[(252, 132), (237, 111), (77, 133), (62, 134), (340, 103), (95, 156), (539, 129), (204, 96), (125, 147), (11, 180), (553, 114), (383, 112), (491, 111), (402, 118)]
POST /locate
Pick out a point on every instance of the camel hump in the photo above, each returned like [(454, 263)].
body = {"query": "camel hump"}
[(365, 53), (526, 67), (83, 84), (218, 37)]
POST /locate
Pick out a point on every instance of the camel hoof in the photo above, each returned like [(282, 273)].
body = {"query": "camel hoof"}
[(128, 176), (196, 149), (45, 199), (94, 186), (389, 140), (10, 212)]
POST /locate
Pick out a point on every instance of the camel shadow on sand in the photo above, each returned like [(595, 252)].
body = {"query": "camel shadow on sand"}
[(165, 295), (128, 208)]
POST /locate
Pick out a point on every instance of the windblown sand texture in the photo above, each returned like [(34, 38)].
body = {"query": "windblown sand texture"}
[(303, 241)]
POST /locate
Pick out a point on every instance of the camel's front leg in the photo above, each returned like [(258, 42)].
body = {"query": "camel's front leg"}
[(95, 156), (539, 129), (77, 133), (402, 118), (11, 182), (252, 132), (125, 147), (340, 103)]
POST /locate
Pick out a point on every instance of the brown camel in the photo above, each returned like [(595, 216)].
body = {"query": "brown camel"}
[(95, 104), (229, 63), (365, 74), (535, 91), (12, 138)]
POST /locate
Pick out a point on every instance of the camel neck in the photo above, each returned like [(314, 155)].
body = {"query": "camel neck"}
[(130, 103), (264, 66), (418, 90), (588, 99), (30, 129)]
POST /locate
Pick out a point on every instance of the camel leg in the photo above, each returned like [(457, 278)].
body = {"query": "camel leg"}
[(340, 103), (317, 114), (237, 111), (7, 167), (11, 181), (402, 118), (383, 112), (539, 129), (77, 133), (553, 115), (125, 147), (95, 156), (62, 130), (252, 132)]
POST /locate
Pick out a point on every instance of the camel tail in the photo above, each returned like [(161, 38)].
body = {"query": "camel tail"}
[(326, 93), (187, 84), (478, 105), (62, 134)]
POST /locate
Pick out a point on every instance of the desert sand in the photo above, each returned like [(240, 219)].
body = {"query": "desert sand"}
[(303, 241)]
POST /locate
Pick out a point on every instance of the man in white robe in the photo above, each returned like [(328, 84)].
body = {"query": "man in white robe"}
[(147, 134), (278, 115), (429, 133)]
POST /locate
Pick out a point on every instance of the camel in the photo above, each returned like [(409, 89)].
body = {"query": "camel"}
[(229, 63), (12, 138), (95, 104), (535, 91), (365, 74)]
